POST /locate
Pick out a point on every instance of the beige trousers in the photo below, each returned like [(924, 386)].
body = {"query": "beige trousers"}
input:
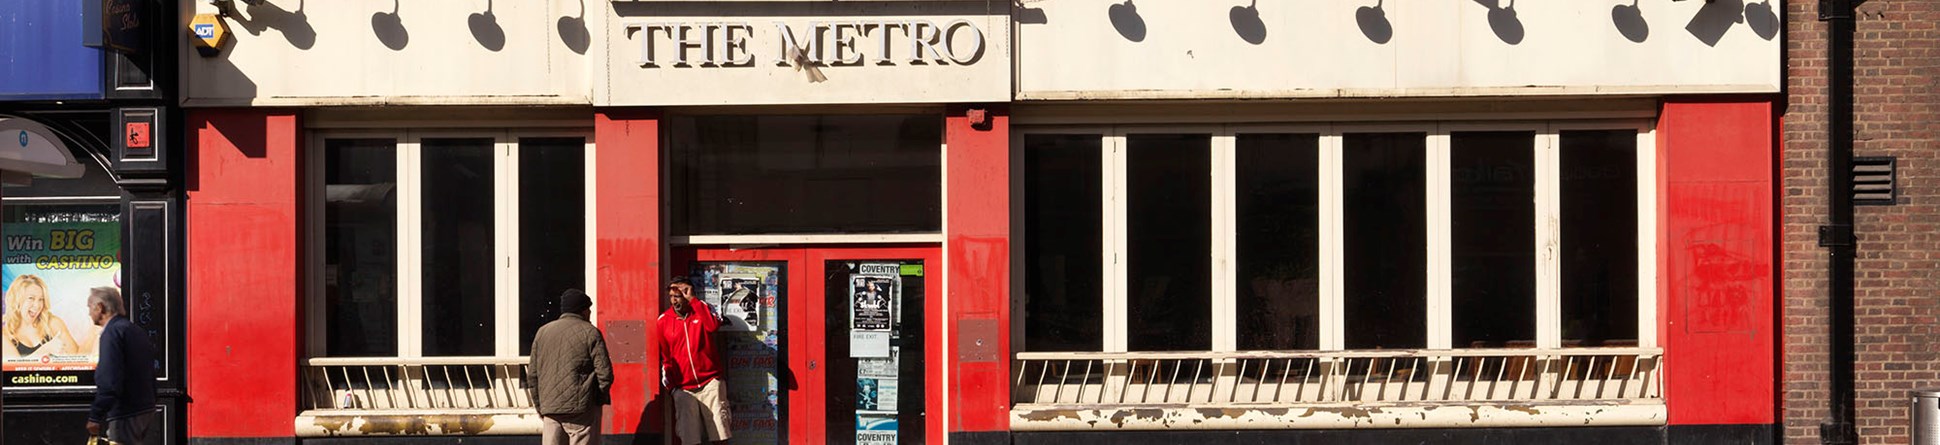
[(702, 416), (570, 429)]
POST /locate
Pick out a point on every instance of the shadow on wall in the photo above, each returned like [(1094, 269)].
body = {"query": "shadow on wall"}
[(1246, 22), (1124, 18), (1763, 20), (294, 25), (1027, 15), (389, 28), (572, 31), (1374, 23), (1502, 20), (1718, 16), (485, 29), (1630, 22)]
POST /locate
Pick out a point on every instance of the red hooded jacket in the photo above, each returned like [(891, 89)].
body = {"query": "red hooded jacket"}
[(687, 355)]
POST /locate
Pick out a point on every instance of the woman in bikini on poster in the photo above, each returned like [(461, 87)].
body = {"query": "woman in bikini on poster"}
[(30, 329)]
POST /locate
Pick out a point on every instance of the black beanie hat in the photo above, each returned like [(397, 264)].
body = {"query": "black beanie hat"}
[(574, 301)]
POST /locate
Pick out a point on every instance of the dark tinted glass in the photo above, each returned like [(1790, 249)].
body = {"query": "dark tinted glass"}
[(1169, 242), (1599, 245), (458, 239), (1385, 240), (806, 174), (1063, 245), (360, 247), (1278, 210), (552, 229), (1493, 236)]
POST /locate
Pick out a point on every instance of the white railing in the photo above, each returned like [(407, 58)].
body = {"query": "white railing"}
[(1286, 378), (443, 384)]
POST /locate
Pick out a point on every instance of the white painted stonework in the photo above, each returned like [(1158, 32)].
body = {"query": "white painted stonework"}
[(379, 52), (1085, 49)]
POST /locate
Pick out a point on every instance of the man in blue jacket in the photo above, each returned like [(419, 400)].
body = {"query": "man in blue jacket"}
[(124, 379)]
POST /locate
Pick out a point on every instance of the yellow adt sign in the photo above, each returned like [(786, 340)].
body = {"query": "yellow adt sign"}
[(209, 32)]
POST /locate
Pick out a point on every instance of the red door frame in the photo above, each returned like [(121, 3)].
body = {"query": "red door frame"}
[(807, 312)]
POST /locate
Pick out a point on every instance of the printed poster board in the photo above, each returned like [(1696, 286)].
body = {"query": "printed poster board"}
[(50, 268), (748, 296)]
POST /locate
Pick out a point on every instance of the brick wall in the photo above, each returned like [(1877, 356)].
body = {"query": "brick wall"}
[(1898, 267)]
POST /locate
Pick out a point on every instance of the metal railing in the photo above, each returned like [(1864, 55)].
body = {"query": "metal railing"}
[(400, 384), (1120, 379)]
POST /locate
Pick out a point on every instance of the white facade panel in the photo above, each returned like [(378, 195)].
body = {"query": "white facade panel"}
[(1105, 49), (377, 52)]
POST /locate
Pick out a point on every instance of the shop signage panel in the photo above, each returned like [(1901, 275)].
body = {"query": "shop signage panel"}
[(806, 53)]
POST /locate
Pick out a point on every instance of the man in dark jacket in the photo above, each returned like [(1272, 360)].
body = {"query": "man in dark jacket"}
[(570, 365), (124, 378)]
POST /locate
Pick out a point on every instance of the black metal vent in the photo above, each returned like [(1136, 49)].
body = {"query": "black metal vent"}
[(1873, 181)]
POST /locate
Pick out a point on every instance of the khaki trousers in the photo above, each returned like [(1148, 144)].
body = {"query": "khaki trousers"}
[(702, 416), (570, 429)]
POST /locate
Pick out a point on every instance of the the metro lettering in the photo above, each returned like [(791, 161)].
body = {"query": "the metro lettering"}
[(852, 43)]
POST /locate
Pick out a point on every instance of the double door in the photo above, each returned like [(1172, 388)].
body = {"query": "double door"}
[(825, 344)]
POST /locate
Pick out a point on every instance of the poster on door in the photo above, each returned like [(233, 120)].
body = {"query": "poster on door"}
[(739, 297), (748, 294), (875, 429), (876, 383)]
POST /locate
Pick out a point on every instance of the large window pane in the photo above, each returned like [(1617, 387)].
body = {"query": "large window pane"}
[(1063, 244), (360, 247), (1599, 245), (552, 229), (1278, 212), (1169, 242), (806, 174), (1493, 211), (458, 239), (1386, 241)]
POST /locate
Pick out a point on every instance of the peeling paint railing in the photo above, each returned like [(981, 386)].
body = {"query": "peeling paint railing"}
[(442, 384), (1287, 378)]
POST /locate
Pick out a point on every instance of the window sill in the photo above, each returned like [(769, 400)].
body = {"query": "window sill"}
[(1035, 417), (451, 422)]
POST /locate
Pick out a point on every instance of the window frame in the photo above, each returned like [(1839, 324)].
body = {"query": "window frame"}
[(1332, 330), (409, 229)]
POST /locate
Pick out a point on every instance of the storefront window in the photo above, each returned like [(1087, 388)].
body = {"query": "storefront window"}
[(1383, 178), (1599, 248), (1492, 187), (493, 225), (1277, 227), (1168, 225), (1358, 237), (457, 241), (360, 247), (551, 257), (1063, 183), (816, 174)]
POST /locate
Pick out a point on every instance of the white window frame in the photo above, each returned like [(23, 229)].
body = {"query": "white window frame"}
[(1547, 147), (408, 147)]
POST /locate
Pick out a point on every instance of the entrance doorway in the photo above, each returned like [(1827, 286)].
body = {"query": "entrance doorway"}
[(826, 344)]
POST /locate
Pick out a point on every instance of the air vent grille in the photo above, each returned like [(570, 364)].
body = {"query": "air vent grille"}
[(1873, 181)]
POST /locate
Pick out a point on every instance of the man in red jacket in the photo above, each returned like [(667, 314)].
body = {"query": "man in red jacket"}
[(689, 366)]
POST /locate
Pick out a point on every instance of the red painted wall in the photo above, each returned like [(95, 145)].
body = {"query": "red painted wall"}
[(628, 254), (1715, 166), (244, 223), (977, 255)]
